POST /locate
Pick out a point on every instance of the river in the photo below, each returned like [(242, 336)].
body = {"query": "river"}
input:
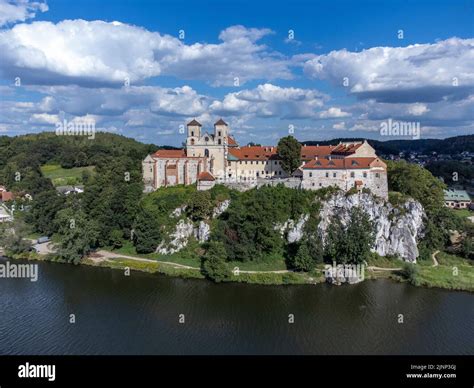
[(140, 314)]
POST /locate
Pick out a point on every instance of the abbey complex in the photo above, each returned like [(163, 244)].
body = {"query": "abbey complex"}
[(216, 157)]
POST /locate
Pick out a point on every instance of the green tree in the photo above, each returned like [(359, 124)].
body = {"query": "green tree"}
[(214, 264), (13, 237), (200, 205), (77, 235), (410, 272), (303, 260), (350, 244), (147, 235), (289, 151), (45, 206), (115, 238)]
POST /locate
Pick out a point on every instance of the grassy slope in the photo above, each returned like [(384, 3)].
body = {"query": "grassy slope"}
[(64, 176)]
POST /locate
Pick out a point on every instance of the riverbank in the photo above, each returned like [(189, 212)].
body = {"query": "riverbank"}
[(445, 271)]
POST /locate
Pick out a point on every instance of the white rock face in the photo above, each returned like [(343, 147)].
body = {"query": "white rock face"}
[(397, 230), (221, 208), (295, 232), (178, 211), (202, 232), (179, 238)]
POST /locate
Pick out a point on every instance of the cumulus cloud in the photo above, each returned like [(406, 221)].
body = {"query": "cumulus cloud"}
[(269, 100), (12, 11), (332, 113), (415, 73), (91, 53)]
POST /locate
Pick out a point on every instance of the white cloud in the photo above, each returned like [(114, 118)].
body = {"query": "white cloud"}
[(91, 52), (12, 11), (339, 126), (43, 118), (416, 73), (268, 100), (417, 109), (333, 112)]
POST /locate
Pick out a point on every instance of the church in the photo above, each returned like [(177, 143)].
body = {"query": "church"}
[(216, 157)]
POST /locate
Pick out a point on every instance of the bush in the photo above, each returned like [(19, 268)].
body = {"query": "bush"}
[(410, 272), (214, 264)]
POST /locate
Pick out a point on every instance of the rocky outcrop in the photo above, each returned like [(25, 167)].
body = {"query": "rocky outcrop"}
[(295, 230), (221, 208), (398, 229), (178, 211), (178, 239), (202, 232)]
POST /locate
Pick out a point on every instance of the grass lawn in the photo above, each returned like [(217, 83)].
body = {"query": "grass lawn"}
[(453, 272), (463, 213), (273, 265), (184, 257), (64, 176)]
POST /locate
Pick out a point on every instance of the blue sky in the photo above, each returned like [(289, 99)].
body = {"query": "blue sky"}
[(349, 67)]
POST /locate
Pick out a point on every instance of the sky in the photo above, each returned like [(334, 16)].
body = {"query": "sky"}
[(314, 69)]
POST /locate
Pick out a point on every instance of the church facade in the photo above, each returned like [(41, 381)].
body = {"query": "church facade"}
[(216, 157)]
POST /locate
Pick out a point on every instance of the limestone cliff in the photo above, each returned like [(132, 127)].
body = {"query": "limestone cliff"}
[(398, 229)]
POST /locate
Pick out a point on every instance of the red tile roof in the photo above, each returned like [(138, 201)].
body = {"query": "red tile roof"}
[(310, 152), (6, 196), (181, 153), (346, 163), (205, 176), (254, 153), (271, 152), (231, 141), (346, 148)]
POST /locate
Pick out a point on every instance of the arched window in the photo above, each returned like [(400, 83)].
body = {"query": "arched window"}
[(192, 141), (206, 139), (192, 133), (219, 142), (206, 153)]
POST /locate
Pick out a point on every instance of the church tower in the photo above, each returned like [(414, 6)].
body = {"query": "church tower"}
[(221, 132), (194, 132)]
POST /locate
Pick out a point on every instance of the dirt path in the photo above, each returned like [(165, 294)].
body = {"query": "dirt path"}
[(107, 255), (372, 268), (435, 261), (112, 255)]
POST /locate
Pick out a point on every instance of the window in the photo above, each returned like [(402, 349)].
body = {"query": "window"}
[(279, 172), (310, 174), (327, 175), (377, 175), (251, 162), (219, 141), (320, 184), (334, 174), (352, 174), (192, 133), (206, 138), (312, 184), (192, 141), (206, 153), (219, 133), (365, 175)]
